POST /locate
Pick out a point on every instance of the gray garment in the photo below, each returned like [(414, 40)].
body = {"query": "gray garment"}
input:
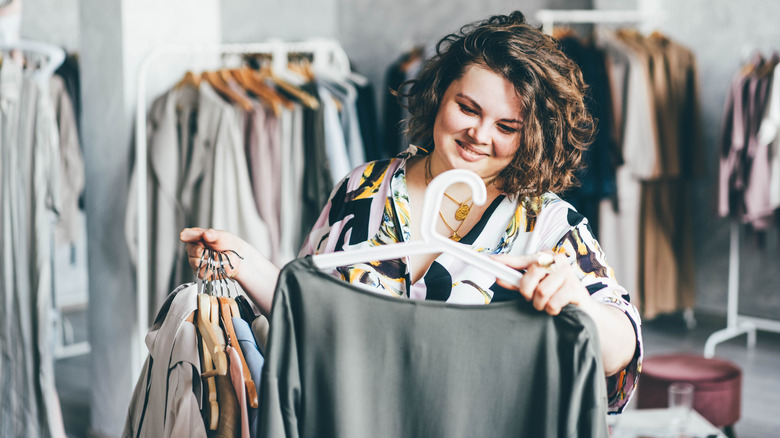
[(292, 156), (346, 93), (345, 362), (29, 405), (168, 396), (335, 144), (169, 193)]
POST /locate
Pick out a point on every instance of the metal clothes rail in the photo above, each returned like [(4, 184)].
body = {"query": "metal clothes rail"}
[(548, 17)]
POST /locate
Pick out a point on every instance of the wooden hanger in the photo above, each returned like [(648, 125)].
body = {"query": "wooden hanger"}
[(215, 347), (767, 67), (561, 32), (305, 98), (302, 67), (413, 56), (211, 388), (265, 94), (227, 314), (190, 79), (208, 369), (221, 87)]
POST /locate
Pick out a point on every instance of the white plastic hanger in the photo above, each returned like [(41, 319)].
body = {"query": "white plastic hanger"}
[(55, 56), (432, 241)]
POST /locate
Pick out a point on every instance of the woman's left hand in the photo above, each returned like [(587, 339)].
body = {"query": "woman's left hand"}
[(549, 287)]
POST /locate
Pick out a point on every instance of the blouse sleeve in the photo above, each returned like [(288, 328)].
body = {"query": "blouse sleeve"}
[(317, 240), (599, 278)]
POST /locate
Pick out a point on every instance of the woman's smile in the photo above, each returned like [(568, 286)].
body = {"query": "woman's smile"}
[(469, 152)]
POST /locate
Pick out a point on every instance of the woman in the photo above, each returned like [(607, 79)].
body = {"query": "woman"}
[(501, 100)]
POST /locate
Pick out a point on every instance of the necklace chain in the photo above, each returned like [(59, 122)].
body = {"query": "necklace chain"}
[(463, 207), (454, 235)]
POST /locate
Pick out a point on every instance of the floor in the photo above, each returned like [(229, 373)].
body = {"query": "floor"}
[(760, 416), (760, 391)]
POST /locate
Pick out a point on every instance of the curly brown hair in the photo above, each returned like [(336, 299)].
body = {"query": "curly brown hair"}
[(556, 127)]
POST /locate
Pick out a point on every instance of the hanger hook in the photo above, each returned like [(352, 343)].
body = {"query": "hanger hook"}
[(434, 195)]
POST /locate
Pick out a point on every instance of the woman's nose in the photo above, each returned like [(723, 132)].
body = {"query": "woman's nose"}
[(480, 134)]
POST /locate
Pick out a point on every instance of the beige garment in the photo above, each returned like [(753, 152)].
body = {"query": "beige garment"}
[(227, 202), (667, 269), (260, 330), (229, 415), (651, 230), (166, 401), (619, 231), (71, 175)]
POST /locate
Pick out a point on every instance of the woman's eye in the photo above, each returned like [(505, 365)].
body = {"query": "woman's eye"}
[(507, 129), (467, 109)]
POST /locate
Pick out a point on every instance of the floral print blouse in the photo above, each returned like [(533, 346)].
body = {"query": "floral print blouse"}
[(370, 207)]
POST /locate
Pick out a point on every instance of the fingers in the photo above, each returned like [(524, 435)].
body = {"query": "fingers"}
[(548, 282), (516, 262), (191, 235), (203, 263), (530, 281), (550, 295)]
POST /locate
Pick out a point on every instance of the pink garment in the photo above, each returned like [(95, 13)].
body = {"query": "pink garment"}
[(237, 377)]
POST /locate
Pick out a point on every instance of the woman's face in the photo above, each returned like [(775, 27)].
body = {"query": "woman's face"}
[(478, 124)]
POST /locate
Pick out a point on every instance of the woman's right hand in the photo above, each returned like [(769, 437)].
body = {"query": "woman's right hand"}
[(253, 271), (199, 240)]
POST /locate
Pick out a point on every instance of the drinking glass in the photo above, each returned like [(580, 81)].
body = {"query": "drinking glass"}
[(680, 404)]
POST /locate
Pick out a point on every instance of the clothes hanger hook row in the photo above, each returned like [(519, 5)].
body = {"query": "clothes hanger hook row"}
[(216, 274)]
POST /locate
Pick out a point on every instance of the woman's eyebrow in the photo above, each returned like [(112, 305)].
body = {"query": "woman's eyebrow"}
[(474, 103)]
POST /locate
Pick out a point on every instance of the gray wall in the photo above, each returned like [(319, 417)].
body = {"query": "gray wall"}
[(52, 21), (290, 20), (116, 35), (375, 33)]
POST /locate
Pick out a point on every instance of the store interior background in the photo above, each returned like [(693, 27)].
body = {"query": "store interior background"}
[(111, 38)]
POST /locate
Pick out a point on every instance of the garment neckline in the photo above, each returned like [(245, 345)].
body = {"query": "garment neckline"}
[(307, 262)]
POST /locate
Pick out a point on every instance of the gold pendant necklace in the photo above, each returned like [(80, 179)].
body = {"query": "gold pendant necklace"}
[(454, 235), (463, 209)]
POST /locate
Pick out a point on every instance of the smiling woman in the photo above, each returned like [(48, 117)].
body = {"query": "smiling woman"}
[(541, 87), (502, 100)]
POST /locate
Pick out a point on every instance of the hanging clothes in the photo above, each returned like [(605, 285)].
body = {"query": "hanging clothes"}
[(29, 202), (167, 398), (769, 135), (601, 158), (389, 367), (71, 168), (317, 182), (647, 227), (746, 159), (198, 176)]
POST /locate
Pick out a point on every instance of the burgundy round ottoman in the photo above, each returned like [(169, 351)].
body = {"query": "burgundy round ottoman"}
[(718, 385)]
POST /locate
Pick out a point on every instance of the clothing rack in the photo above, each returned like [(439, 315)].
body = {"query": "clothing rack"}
[(326, 53), (737, 324), (54, 57), (548, 17), (646, 16)]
